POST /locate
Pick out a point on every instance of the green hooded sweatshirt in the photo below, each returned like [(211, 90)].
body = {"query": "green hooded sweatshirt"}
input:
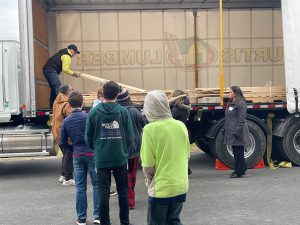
[(109, 132)]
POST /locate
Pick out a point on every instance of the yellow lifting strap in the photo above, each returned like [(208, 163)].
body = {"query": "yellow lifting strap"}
[(221, 55), (271, 163)]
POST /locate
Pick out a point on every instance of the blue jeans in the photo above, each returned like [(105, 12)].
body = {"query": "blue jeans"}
[(54, 83), (164, 214), (82, 166)]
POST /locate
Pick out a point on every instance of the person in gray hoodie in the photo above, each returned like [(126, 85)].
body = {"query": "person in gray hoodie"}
[(165, 152)]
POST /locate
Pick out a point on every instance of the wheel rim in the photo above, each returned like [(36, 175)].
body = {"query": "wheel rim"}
[(296, 141), (249, 149)]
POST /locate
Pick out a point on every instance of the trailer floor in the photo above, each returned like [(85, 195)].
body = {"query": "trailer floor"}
[(30, 194)]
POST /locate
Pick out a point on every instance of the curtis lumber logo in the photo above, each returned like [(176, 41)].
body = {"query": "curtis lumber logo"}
[(179, 54)]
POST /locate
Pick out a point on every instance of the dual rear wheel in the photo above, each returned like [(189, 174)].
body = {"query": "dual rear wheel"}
[(253, 152)]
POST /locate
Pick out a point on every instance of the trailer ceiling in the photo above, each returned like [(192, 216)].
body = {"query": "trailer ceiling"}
[(92, 5)]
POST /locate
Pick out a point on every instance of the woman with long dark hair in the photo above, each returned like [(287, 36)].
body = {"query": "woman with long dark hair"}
[(236, 129)]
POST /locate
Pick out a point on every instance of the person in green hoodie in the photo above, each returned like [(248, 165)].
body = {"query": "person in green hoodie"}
[(109, 132)]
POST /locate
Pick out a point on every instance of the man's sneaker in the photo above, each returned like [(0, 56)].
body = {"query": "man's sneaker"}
[(80, 222), (97, 221), (67, 183), (61, 179), (112, 193)]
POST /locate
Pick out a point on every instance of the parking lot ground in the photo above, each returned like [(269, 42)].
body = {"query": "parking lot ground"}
[(30, 194)]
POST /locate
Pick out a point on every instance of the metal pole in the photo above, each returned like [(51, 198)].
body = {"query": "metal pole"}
[(221, 54), (195, 46)]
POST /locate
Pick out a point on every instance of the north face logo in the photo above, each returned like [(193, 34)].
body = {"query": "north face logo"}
[(112, 125)]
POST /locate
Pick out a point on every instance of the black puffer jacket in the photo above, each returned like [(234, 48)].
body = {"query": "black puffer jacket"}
[(181, 110)]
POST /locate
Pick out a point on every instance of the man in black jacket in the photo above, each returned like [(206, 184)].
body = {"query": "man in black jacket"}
[(60, 61)]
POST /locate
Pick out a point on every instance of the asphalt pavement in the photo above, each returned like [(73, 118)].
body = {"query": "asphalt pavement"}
[(31, 195)]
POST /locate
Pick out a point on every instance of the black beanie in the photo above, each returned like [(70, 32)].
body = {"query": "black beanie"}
[(123, 95)]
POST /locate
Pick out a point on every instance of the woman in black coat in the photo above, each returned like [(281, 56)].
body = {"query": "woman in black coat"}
[(236, 129)]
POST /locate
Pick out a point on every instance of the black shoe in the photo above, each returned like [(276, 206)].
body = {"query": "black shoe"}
[(233, 175), (80, 222), (189, 171)]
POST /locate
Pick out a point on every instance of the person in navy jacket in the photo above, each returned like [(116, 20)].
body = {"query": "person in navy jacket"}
[(73, 130)]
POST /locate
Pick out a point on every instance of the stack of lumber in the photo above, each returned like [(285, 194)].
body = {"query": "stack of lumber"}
[(252, 94)]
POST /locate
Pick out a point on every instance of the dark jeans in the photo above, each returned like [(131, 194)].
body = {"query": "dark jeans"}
[(54, 83), (166, 214), (104, 182), (239, 160), (67, 164)]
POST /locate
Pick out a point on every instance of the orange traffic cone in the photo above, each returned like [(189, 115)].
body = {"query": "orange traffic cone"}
[(221, 166), (259, 165)]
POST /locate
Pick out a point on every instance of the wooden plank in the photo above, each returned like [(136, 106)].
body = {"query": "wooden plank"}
[(103, 81)]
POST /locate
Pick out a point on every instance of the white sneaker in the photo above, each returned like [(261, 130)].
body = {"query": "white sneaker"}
[(67, 183), (97, 221), (61, 179)]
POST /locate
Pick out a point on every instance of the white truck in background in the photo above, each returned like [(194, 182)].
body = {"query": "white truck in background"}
[(20, 135), (22, 132), (24, 129)]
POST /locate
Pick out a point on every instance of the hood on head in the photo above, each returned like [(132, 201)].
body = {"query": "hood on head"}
[(156, 106)]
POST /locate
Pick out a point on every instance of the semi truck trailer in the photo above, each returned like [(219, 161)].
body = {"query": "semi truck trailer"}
[(163, 45)]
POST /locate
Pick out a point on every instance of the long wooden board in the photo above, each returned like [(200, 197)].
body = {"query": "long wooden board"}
[(103, 81)]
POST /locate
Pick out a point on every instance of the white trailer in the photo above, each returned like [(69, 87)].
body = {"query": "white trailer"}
[(150, 45)]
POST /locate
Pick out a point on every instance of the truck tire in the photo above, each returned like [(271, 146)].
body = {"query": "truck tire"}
[(254, 152), (203, 147), (289, 145)]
